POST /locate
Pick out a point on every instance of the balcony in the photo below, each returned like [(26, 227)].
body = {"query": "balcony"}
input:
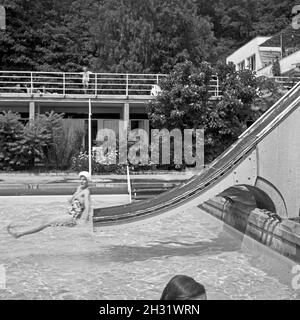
[(60, 85)]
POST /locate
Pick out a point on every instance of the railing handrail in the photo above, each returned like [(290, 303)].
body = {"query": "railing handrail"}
[(80, 72), (64, 83), (285, 77)]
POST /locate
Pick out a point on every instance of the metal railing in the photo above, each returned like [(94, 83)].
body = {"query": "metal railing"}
[(66, 83), (287, 82)]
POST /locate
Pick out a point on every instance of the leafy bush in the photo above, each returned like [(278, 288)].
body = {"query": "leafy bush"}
[(66, 142), (81, 162), (36, 138), (11, 135), (185, 103), (47, 139)]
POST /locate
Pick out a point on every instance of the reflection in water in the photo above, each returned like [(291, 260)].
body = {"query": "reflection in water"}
[(135, 261)]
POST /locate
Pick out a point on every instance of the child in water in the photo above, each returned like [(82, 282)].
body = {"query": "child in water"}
[(79, 209)]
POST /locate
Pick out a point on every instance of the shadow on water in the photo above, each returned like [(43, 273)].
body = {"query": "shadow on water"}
[(223, 243)]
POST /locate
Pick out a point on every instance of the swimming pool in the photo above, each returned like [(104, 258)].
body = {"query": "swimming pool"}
[(135, 261)]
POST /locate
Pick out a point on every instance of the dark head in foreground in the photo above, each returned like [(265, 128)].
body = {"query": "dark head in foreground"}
[(182, 287)]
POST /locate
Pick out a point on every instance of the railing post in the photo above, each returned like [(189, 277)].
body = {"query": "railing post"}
[(64, 84), (126, 84), (217, 86), (157, 79), (96, 91), (31, 82)]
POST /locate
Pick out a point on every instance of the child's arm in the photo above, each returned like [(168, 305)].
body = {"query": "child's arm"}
[(87, 206), (74, 194)]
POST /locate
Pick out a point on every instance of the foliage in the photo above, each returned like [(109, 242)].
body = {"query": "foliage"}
[(185, 103), (170, 36), (132, 35), (107, 36), (81, 162), (184, 100), (35, 138), (67, 137), (269, 91), (235, 22), (11, 133), (108, 164), (231, 115), (43, 140)]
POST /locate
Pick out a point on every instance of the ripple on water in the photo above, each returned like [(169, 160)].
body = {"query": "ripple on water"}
[(134, 261)]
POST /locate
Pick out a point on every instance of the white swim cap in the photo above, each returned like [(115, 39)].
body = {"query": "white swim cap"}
[(85, 174)]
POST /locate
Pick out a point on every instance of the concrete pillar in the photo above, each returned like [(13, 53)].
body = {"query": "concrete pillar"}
[(147, 129), (31, 110), (126, 114), (123, 133)]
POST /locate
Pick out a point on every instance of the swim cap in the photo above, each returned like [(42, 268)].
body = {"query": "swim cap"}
[(85, 174)]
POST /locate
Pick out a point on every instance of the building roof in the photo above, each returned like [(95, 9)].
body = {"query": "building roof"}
[(257, 40), (290, 38)]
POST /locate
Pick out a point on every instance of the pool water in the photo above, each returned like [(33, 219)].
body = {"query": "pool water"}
[(134, 261)]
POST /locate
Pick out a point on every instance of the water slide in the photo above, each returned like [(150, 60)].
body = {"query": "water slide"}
[(207, 183)]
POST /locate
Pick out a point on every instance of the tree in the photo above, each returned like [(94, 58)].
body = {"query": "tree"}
[(132, 35), (232, 114), (35, 139), (272, 16), (185, 103), (38, 139), (66, 143), (269, 91), (184, 99), (11, 133), (23, 146), (107, 35)]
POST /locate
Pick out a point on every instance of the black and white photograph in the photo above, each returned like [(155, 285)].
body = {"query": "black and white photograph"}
[(149, 151)]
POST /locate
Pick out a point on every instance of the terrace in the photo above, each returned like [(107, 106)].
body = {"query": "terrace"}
[(69, 85)]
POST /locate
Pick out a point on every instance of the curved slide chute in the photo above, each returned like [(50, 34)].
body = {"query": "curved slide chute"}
[(203, 186)]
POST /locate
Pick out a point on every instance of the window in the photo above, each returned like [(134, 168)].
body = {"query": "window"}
[(134, 124), (251, 63), (241, 65)]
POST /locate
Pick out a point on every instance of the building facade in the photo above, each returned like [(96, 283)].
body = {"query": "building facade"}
[(113, 97), (260, 53)]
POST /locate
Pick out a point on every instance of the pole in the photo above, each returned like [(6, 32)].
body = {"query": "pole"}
[(90, 138), (281, 47), (128, 184)]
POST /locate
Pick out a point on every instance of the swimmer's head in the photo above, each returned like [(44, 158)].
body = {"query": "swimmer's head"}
[(85, 174), (182, 287)]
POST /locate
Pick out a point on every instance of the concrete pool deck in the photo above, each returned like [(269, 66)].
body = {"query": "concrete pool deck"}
[(67, 178), (19, 177), (65, 183)]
